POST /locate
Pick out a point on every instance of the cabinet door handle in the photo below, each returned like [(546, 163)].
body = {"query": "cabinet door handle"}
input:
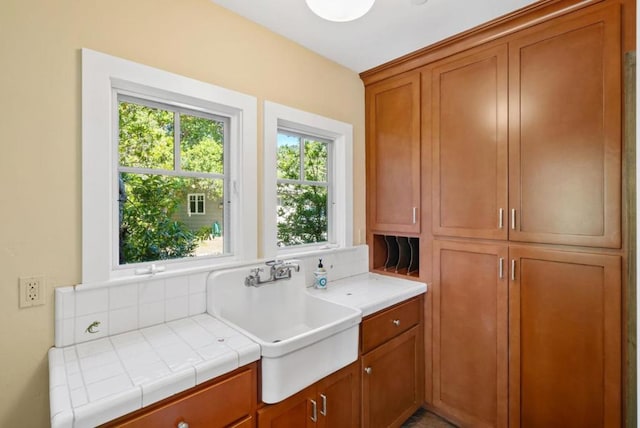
[(500, 218), (314, 411), (415, 214), (396, 323), (183, 424), (500, 268), (513, 269), (323, 410), (368, 370), (513, 218)]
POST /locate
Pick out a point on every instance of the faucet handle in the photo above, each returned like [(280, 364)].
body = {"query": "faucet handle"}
[(291, 264)]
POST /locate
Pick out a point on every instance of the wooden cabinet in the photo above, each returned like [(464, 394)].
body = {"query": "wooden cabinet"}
[(333, 402), (470, 360), (522, 190), (393, 155), (565, 339), (564, 137), (563, 331), (392, 365), (469, 140), (228, 401)]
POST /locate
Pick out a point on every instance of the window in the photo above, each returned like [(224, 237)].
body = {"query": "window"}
[(308, 183), (195, 203), (164, 153), (303, 189), (158, 148)]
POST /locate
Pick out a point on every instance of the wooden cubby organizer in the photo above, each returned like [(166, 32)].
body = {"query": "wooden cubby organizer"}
[(396, 254)]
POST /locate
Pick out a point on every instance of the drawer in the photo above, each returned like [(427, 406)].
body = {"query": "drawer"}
[(229, 402), (389, 323)]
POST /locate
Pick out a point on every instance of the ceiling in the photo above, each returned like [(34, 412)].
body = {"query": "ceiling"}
[(392, 28)]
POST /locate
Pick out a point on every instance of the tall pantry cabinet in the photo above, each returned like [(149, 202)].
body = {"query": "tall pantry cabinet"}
[(524, 241)]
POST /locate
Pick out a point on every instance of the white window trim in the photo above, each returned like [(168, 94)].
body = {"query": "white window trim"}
[(280, 116), (102, 73)]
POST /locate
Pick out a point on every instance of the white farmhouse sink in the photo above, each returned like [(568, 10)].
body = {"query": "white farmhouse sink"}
[(302, 338)]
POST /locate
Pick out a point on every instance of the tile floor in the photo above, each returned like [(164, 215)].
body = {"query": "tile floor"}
[(424, 419)]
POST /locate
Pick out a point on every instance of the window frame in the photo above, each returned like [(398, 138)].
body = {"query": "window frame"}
[(103, 77), (340, 174)]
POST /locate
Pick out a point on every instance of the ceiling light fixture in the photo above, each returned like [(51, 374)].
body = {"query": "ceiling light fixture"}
[(340, 10)]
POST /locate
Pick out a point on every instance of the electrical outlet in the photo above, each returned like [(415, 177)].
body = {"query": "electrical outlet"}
[(31, 291)]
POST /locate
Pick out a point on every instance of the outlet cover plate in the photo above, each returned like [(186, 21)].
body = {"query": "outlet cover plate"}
[(31, 291)]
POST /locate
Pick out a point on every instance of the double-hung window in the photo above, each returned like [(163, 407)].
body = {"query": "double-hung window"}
[(308, 182), (168, 171)]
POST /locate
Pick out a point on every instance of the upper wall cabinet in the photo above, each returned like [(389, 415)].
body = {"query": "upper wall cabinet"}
[(393, 155), (564, 135), (469, 129), (548, 96)]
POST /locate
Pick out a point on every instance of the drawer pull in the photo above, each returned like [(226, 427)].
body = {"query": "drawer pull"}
[(368, 370), (396, 323), (314, 411), (183, 424)]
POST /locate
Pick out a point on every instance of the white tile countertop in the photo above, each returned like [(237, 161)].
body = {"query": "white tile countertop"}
[(94, 382), (97, 381), (370, 292)]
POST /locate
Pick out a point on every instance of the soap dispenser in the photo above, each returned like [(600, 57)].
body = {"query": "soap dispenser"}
[(320, 276)]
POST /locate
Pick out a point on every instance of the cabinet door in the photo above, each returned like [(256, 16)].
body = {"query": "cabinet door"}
[(469, 128), (338, 398), (393, 152), (470, 303), (390, 381), (564, 140), (564, 336), (294, 412)]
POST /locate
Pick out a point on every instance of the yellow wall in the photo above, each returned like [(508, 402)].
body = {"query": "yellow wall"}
[(40, 165)]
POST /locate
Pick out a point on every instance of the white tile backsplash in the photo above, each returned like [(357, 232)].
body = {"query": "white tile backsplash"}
[(176, 308), (197, 303), (151, 314), (152, 291), (153, 300), (176, 287), (82, 324), (124, 319), (65, 303), (92, 301), (198, 283), (123, 296)]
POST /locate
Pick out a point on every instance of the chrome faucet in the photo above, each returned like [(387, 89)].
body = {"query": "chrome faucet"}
[(278, 269)]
